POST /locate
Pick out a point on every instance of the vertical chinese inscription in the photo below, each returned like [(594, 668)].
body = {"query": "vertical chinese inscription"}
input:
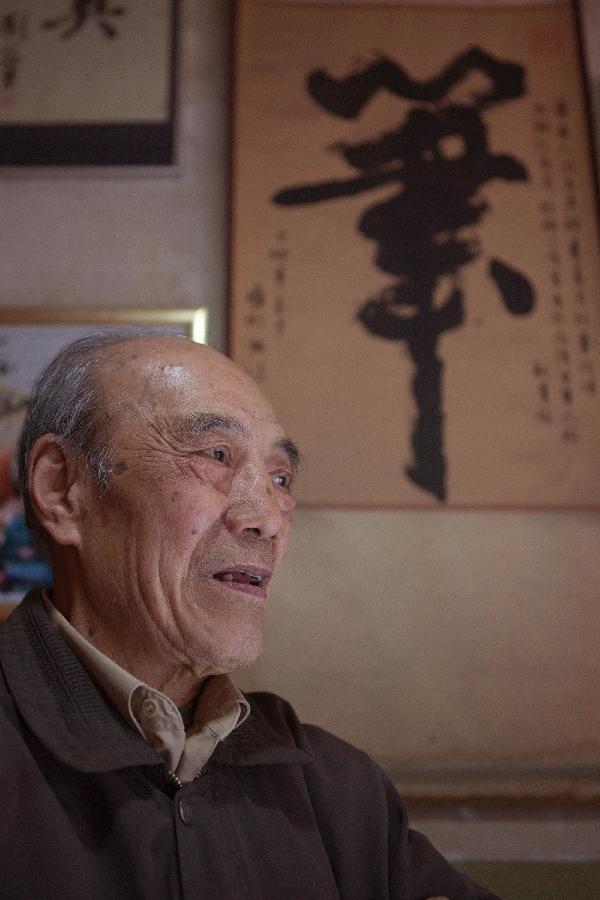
[(255, 321), (264, 315), (279, 255), (569, 374)]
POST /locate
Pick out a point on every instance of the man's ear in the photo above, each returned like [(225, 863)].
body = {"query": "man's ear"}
[(55, 479)]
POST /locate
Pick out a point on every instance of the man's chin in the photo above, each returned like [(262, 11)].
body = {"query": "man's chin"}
[(242, 659), (229, 656)]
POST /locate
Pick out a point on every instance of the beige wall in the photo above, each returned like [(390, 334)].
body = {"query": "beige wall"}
[(400, 631)]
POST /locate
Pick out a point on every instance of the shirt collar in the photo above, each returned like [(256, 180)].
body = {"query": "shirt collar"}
[(219, 708)]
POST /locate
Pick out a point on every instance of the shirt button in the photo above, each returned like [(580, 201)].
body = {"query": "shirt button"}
[(149, 708), (185, 811)]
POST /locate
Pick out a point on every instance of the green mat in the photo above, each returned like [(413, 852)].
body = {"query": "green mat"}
[(537, 881)]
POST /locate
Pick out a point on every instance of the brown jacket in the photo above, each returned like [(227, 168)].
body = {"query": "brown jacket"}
[(281, 811)]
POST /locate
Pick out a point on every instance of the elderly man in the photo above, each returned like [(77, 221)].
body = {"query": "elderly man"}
[(159, 480)]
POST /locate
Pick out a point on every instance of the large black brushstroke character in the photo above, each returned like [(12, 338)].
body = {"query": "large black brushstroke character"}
[(81, 10), (417, 231)]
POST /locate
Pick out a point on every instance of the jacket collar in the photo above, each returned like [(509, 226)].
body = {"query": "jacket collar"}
[(65, 710)]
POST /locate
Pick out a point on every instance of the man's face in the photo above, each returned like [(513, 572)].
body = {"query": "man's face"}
[(182, 547)]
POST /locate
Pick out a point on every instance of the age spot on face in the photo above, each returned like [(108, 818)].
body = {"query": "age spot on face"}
[(120, 467)]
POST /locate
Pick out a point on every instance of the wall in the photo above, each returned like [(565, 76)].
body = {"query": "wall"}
[(456, 584)]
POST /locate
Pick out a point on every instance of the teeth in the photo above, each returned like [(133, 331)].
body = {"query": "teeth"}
[(231, 576)]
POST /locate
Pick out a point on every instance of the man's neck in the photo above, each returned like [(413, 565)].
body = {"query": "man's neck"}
[(156, 666)]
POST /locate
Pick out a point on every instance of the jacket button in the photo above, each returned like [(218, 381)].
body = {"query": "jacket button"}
[(185, 811), (149, 707)]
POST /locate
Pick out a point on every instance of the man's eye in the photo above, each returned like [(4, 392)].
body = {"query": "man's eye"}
[(217, 453), (283, 479)]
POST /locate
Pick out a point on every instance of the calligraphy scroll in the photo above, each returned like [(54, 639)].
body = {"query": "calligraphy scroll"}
[(87, 82), (414, 268)]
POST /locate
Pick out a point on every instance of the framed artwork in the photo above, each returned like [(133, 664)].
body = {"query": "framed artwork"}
[(87, 83), (415, 249), (29, 339)]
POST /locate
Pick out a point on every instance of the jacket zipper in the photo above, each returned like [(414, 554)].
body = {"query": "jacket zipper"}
[(171, 778)]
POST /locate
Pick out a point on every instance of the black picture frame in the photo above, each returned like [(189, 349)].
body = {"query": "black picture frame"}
[(101, 143)]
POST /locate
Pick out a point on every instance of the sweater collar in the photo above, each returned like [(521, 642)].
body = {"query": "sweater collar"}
[(71, 716)]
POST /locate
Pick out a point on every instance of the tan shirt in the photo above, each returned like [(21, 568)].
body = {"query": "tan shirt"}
[(219, 708)]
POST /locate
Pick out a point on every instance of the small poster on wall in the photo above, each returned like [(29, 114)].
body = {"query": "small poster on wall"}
[(87, 83), (415, 264)]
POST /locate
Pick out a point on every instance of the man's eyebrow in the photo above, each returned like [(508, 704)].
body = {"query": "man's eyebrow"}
[(291, 450), (199, 423)]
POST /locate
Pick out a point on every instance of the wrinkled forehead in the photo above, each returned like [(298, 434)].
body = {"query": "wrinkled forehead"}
[(171, 377)]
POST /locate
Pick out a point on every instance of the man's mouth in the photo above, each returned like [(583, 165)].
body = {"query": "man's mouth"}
[(249, 579)]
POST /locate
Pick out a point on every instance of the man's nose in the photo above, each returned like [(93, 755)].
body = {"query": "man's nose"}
[(255, 506)]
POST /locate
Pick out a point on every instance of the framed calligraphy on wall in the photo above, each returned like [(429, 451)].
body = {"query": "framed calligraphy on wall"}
[(414, 256), (87, 83)]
